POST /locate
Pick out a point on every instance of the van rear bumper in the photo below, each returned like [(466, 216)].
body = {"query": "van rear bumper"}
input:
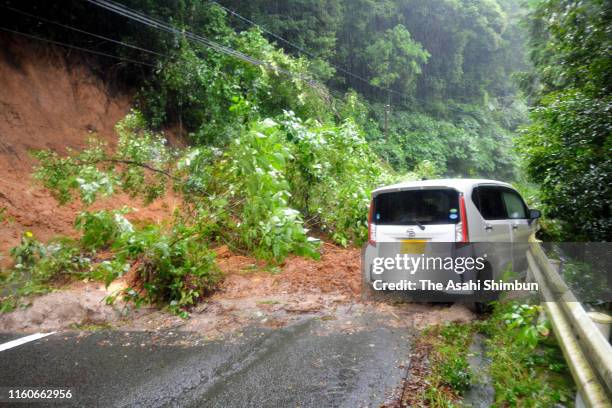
[(427, 284)]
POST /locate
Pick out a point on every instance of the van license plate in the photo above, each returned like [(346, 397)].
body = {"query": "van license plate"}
[(413, 246)]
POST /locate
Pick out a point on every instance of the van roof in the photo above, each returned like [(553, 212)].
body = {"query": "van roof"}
[(460, 184)]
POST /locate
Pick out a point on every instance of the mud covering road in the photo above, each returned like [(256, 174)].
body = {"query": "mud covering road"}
[(311, 363)]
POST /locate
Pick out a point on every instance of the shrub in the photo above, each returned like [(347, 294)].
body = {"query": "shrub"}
[(41, 263), (101, 228), (140, 165), (36, 265), (109, 270), (332, 173), (61, 256), (28, 252), (255, 167), (174, 267)]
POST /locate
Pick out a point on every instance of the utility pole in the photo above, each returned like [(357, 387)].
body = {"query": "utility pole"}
[(387, 110)]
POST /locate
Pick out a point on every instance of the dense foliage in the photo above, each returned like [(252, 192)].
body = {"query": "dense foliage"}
[(567, 147), (463, 48)]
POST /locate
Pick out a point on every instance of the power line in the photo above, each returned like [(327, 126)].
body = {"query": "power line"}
[(160, 25), (76, 47), (341, 69), (262, 28), (163, 26), (83, 31)]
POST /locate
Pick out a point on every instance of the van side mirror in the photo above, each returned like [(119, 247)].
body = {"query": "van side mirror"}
[(533, 214)]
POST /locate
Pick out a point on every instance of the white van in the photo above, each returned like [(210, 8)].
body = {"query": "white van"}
[(451, 217)]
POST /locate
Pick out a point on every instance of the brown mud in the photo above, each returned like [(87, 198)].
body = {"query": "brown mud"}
[(49, 102), (328, 289)]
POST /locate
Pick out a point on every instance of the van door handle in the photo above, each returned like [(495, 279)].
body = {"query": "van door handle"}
[(488, 227), (514, 226)]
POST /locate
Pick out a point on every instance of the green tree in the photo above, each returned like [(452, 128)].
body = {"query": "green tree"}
[(570, 45), (567, 146), (396, 60), (305, 27)]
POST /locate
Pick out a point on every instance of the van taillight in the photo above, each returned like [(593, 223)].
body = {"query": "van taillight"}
[(371, 226), (461, 228)]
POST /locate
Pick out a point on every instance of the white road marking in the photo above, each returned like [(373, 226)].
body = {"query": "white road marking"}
[(23, 340)]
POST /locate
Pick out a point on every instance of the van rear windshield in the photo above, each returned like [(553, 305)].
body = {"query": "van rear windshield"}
[(427, 207)]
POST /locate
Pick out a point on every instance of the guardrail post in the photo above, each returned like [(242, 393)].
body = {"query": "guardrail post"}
[(603, 322)]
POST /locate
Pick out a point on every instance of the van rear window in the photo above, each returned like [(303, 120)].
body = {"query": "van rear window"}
[(439, 206)]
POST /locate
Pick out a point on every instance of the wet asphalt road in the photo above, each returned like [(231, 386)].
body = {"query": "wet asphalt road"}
[(313, 363)]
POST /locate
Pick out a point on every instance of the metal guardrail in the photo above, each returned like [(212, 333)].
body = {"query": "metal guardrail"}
[(587, 352)]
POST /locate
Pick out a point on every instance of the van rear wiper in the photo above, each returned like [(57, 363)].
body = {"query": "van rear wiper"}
[(421, 226)]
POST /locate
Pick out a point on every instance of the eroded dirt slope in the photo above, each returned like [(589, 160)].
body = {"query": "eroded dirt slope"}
[(49, 102)]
